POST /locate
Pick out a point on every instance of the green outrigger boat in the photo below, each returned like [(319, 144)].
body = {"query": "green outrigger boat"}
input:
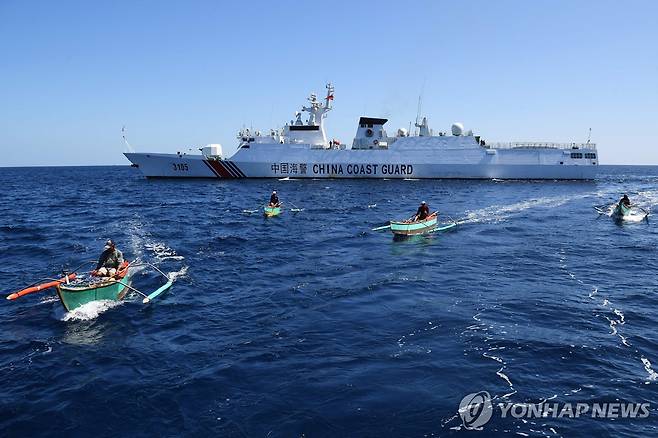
[(414, 228), (410, 228), (271, 211), (621, 210), (623, 213), (114, 288), (75, 290)]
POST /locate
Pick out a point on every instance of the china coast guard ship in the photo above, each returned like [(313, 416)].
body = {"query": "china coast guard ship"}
[(301, 150)]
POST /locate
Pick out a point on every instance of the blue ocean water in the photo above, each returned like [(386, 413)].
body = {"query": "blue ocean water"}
[(310, 324)]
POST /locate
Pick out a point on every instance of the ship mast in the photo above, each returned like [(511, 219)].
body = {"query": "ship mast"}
[(318, 111)]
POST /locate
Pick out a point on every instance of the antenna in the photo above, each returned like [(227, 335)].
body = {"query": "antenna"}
[(420, 104), (589, 136), (125, 140)]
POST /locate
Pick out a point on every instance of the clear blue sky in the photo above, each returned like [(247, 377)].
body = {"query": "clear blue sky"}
[(186, 73)]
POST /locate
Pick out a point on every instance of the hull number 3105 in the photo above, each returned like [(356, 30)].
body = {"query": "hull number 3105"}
[(181, 167)]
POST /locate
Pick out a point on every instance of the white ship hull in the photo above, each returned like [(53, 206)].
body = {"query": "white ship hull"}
[(360, 164), (302, 150)]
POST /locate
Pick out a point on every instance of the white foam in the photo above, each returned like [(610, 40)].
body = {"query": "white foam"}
[(503, 376), (90, 310), (620, 315), (180, 273), (162, 252), (48, 299), (647, 366), (496, 213)]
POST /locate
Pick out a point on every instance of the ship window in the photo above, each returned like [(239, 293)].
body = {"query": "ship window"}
[(576, 155), (363, 125), (590, 155), (369, 125)]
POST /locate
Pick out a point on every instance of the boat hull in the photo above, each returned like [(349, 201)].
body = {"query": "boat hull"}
[(358, 164), (621, 210), (413, 228), (73, 297), (271, 211)]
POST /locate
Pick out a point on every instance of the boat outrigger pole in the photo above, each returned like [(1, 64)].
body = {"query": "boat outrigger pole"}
[(158, 291)]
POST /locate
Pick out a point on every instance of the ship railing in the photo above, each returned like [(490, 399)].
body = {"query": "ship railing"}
[(539, 145)]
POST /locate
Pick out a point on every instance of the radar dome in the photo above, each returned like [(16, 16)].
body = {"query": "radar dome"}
[(457, 129)]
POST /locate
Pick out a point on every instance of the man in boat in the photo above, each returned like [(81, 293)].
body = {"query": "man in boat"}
[(274, 200), (110, 260), (625, 201), (422, 212)]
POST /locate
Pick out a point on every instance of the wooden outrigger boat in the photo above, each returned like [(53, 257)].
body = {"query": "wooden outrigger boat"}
[(410, 227), (413, 228), (114, 288), (620, 212), (75, 290), (271, 211)]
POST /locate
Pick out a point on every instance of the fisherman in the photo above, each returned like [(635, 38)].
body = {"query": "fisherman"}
[(423, 212), (110, 260), (625, 201), (274, 200)]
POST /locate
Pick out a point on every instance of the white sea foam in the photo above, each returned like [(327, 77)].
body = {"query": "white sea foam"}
[(162, 252), (497, 213), (49, 299), (173, 276), (647, 366), (90, 310)]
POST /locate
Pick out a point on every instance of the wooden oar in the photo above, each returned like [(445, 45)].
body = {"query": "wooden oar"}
[(42, 286)]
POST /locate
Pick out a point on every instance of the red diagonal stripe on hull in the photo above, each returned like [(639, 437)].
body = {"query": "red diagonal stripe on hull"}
[(220, 169), (212, 169)]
